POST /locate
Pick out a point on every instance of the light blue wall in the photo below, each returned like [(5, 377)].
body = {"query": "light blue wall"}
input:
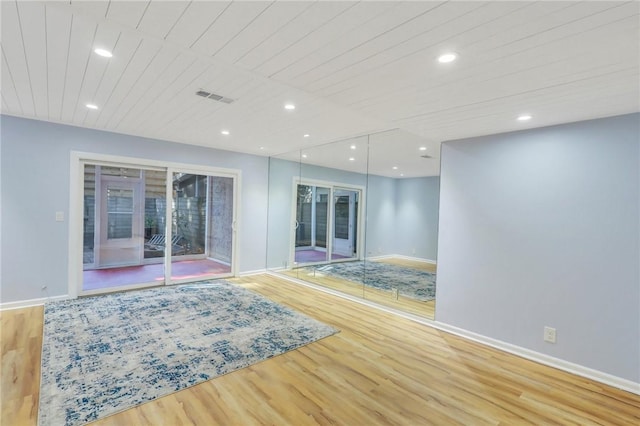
[(402, 214), (541, 228), (417, 217), (35, 184), (281, 175), (381, 216)]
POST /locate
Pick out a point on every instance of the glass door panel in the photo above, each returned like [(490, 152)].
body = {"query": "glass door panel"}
[(202, 226), (345, 224), (120, 239), (303, 217), (114, 240), (312, 221)]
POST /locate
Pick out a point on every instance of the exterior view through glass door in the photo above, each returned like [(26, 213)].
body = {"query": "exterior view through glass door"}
[(312, 221), (345, 207), (202, 218), (152, 226), (120, 204), (326, 224)]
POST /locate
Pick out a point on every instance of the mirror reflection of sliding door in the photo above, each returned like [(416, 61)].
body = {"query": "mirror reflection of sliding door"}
[(312, 222), (345, 208), (202, 219)]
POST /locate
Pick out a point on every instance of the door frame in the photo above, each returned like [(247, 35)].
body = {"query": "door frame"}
[(76, 200), (298, 180)]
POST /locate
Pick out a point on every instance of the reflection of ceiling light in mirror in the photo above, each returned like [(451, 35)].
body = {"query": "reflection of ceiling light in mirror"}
[(524, 117), (91, 106), (423, 148), (401, 174), (447, 57), (103, 52), (225, 132), (352, 159), (290, 107)]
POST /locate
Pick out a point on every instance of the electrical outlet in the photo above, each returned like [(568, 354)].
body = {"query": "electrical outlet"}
[(550, 334)]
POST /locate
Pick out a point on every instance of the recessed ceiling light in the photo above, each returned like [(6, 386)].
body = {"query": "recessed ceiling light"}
[(447, 57), (262, 147), (395, 167), (225, 132), (289, 107), (401, 174), (352, 159), (524, 117), (103, 52), (304, 155), (352, 147), (423, 148), (91, 106), (306, 135)]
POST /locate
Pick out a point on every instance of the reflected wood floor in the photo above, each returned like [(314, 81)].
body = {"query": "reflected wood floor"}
[(385, 298), (379, 370)]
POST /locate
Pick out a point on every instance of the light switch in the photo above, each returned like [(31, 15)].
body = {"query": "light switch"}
[(59, 216)]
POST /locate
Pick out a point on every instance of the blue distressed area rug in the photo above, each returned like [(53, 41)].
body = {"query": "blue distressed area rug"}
[(410, 282), (105, 354)]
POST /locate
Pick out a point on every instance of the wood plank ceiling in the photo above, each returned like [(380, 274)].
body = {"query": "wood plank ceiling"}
[(350, 68)]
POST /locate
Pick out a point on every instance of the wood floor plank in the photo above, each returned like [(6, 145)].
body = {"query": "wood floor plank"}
[(379, 370), (21, 336)]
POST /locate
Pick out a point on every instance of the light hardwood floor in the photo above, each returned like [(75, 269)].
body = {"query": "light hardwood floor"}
[(379, 370), (385, 298)]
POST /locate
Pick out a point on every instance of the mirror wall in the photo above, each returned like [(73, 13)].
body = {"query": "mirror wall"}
[(358, 216)]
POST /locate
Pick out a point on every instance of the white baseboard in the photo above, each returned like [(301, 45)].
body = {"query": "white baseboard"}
[(31, 302), (416, 259), (380, 257), (41, 301), (578, 370), (401, 256)]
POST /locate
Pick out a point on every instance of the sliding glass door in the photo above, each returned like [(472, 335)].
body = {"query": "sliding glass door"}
[(345, 228), (148, 226), (202, 223), (312, 222), (116, 212), (326, 224)]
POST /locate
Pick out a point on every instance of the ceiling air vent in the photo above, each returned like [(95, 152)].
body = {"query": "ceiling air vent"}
[(213, 96), (426, 156)]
